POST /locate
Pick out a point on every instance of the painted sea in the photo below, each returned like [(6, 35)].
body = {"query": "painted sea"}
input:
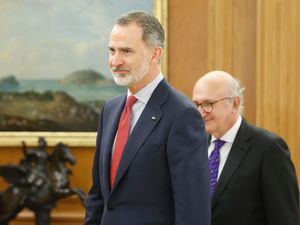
[(82, 93), (53, 105), (41, 42)]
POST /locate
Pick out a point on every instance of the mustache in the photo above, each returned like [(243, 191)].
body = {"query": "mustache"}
[(117, 69)]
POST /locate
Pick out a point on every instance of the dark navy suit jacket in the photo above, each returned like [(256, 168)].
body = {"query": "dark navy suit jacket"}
[(163, 175)]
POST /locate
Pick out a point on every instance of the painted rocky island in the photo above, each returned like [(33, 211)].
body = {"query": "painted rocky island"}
[(69, 104)]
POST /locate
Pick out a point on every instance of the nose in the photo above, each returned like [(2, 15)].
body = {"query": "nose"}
[(116, 60), (202, 112)]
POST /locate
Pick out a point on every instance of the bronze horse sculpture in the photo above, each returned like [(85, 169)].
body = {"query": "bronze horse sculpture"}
[(37, 184)]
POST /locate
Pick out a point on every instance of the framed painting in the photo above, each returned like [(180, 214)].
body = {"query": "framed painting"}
[(54, 76)]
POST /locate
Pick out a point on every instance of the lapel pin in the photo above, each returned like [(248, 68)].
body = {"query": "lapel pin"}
[(153, 118)]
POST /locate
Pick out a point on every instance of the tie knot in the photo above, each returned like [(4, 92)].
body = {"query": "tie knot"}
[(219, 143), (130, 100)]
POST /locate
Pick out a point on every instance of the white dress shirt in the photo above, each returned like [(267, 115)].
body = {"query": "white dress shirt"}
[(143, 97), (228, 137)]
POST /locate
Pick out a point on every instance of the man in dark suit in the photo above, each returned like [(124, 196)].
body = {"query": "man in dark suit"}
[(156, 173), (254, 182)]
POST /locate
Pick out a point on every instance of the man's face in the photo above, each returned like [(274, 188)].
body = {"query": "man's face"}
[(224, 112), (129, 57)]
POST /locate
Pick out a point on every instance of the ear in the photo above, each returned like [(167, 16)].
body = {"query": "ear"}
[(236, 104), (156, 54)]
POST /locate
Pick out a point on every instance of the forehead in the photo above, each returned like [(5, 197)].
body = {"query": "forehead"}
[(210, 89), (126, 34)]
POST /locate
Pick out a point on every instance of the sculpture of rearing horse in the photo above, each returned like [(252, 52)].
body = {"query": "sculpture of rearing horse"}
[(38, 183)]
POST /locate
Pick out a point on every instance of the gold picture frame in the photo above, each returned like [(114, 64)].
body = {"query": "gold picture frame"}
[(81, 139)]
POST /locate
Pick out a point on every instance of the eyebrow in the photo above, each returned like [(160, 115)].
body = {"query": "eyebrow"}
[(127, 49), (206, 100), (197, 103), (121, 48)]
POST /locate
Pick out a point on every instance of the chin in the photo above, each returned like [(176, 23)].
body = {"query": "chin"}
[(123, 80), (208, 129)]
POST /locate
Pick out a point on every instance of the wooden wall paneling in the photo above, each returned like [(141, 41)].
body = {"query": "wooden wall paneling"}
[(260, 84), (295, 133), (161, 12), (9, 156), (277, 71), (292, 82), (220, 35), (67, 211), (293, 71), (268, 71), (244, 51), (187, 43), (232, 44)]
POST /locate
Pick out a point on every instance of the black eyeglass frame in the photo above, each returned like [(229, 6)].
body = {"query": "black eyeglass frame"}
[(210, 105)]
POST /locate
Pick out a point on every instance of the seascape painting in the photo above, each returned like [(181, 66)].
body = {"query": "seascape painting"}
[(54, 75)]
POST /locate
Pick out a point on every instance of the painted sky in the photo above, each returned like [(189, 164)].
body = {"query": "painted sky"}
[(48, 39)]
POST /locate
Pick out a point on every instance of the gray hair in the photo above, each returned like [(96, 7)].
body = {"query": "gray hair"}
[(236, 89), (153, 32)]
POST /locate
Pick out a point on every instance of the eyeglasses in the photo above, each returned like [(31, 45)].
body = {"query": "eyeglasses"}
[(209, 106)]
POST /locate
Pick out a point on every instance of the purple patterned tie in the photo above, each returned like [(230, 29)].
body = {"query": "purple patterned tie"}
[(214, 162)]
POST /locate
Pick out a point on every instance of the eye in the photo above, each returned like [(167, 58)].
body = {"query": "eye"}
[(126, 50), (111, 50), (206, 104), (197, 104)]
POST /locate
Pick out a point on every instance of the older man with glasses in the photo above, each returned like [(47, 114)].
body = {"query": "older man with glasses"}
[(252, 177)]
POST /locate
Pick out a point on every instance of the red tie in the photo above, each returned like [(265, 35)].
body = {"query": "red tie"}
[(122, 135)]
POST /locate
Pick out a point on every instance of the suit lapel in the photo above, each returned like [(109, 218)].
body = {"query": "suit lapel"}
[(148, 120), (108, 137), (238, 151)]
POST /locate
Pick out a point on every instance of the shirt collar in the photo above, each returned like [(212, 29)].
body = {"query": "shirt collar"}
[(229, 136), (145, 93)]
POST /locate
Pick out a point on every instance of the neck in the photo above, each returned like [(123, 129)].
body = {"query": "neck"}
[(227, 128), (145, 81)]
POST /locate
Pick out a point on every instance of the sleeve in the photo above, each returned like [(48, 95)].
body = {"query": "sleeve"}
[(280, 186), (95, 203), (188, 165)]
